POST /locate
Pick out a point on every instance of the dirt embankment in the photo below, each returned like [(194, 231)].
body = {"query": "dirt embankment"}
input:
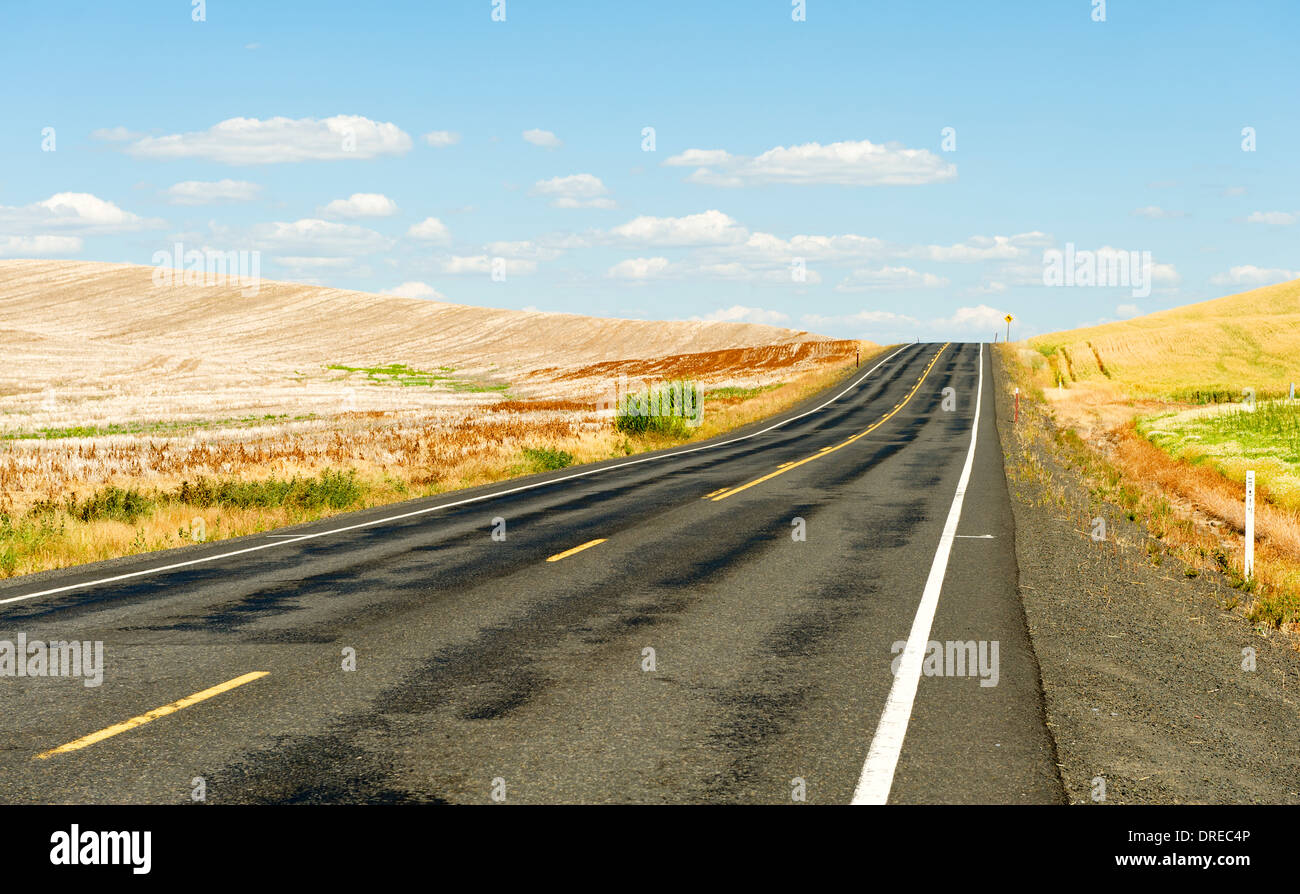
[(1154, 683)]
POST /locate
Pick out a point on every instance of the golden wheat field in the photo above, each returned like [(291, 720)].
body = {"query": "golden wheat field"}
[(1249, 340), (119, 397)]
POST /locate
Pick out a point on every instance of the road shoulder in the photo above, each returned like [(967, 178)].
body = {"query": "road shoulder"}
[(1144, 668)]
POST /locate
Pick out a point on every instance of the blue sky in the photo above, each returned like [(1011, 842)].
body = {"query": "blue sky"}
[(302, 131)]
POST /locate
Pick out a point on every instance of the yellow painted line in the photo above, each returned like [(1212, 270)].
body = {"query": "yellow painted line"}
[(825, 451), (142, 719), (712, 492), (577, 549)]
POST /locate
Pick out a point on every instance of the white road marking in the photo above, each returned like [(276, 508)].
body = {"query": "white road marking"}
[(974, 536), (882, 759), (492, 496)]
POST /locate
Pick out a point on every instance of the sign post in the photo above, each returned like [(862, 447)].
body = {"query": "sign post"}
[(1009, 320), (1249, 565)]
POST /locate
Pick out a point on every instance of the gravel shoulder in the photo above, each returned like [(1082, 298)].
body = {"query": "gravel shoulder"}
[(1143, 668)]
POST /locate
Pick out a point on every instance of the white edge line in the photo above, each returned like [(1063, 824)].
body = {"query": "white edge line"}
[(882, 758), (478, 499)]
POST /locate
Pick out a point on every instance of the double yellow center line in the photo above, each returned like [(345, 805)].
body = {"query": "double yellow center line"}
[(825, 451)]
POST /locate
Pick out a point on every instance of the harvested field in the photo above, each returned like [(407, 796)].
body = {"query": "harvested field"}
[(113, 382)]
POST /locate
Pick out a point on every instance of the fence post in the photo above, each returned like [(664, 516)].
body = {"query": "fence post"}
[(1249, 564)]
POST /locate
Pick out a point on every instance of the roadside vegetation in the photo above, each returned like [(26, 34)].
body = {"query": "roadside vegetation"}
[(1234, 438), (1165, 414), (669, 409), (138, 486)]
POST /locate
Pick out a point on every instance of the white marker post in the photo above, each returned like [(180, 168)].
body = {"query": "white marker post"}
[(1249, 566)]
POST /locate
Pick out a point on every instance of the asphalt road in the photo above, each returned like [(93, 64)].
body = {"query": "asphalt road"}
[(484, 670)]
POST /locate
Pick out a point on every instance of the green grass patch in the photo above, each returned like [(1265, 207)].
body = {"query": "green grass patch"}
[(405, 376), (24, 536), (733, 393), (1237, 439), (546, 459), (143, 428)]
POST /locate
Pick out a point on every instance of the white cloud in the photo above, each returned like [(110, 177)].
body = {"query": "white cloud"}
[(525, 249), (980, 317), (483, 264), (249, 141), (73, 211), (38, 246), (1274, 218), (441, 139), (308, 238), (82, 207), (1128, 311), (848, 163), (1250, 275), (201, 192), (639, 268), (890, 278), (361, 204), (1160, 273), (430, 229), (1155, 212), (765, 247), (737, 272), (863, 318), (738, 313), (1166, 274), (978, 248), (415, 290), (575, 191), (543, 138), (707, 228)]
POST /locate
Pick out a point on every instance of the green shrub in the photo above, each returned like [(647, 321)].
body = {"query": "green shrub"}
[(547, 459), (670, 408), (336, 490), (111, 503)]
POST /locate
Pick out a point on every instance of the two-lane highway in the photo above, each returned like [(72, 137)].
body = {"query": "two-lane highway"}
[(719, 622)]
